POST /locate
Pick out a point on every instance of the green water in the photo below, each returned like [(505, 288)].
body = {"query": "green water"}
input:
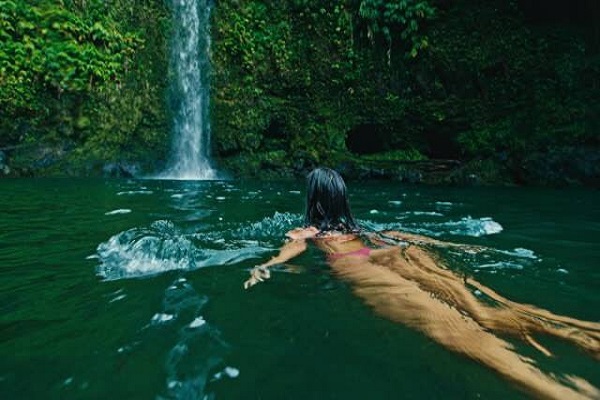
[(133, 289)]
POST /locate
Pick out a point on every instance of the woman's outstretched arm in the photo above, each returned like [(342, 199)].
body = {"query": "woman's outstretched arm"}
[(412, 238), (288, 251)]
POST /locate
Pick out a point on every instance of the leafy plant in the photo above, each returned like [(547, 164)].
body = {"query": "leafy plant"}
[(391, 20), (64, 64)]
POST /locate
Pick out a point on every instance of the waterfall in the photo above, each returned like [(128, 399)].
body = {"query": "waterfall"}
[(190, 69)]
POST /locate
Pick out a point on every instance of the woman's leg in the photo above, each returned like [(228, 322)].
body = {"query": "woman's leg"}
[(418, 265), (404, 300)]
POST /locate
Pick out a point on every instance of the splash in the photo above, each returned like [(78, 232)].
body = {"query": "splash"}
[(269, 227), (146, 251), (466, 226), (118, 211), (142, 252), (473, 227), (162, 247)]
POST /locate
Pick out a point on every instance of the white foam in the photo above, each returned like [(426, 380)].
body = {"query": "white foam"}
[(228, 371), (161, 247), (118, 211), (220, 198), (139, 252), (501, 265), (520, 252), (269, 227), (132, 192), (177, 195), (294, 192), (464, 227), (123, 349), (198, 322), (490, 227), (232, 372), (160, 318), (562, 271), (120, 297), (473, 227), (395, 202), (374, 212), (429, 213)]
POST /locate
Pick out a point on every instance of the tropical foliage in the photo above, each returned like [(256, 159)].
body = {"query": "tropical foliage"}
[(82, 74), (299, 82), (293, 78)]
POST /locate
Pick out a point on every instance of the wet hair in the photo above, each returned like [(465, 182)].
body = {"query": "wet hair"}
[(327, 206)]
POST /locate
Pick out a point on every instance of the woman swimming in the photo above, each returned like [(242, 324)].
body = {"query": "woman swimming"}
[(403, 280)]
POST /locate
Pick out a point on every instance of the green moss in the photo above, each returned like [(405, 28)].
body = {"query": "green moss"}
[(292, 81), (396, 155), (471, 81), (90, 73)]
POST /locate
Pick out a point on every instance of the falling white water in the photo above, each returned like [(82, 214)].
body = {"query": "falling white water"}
[(190, 159)]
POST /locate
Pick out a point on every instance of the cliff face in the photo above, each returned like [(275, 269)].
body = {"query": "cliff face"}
[(497, 86), (83, 83), (431, 90)]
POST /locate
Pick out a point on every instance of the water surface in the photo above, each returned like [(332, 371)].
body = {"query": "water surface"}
[(133, 289)]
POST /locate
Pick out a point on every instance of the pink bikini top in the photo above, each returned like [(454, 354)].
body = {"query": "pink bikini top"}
[(362, 252)]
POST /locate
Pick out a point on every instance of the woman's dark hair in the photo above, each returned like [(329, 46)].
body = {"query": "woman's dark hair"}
[(327, 206)]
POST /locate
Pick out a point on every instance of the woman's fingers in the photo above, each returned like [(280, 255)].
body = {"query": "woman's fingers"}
[(263, 272), (250, 282), (257, 274)]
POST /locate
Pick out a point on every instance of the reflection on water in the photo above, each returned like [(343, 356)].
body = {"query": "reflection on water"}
[(199, 347), (132, 289)]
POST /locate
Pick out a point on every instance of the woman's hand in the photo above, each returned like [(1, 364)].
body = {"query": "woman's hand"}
[(289, 250), (257, 274)]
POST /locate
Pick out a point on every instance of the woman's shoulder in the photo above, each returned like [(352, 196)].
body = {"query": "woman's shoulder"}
[(337, 236), (312, 232), (303, 233)]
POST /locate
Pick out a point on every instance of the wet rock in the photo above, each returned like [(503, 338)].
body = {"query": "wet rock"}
[(562, 166), (121, 169), (411, 176), (4, 168)]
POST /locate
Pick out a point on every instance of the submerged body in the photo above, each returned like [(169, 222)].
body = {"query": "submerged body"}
[(402, 280), (408, 284)]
